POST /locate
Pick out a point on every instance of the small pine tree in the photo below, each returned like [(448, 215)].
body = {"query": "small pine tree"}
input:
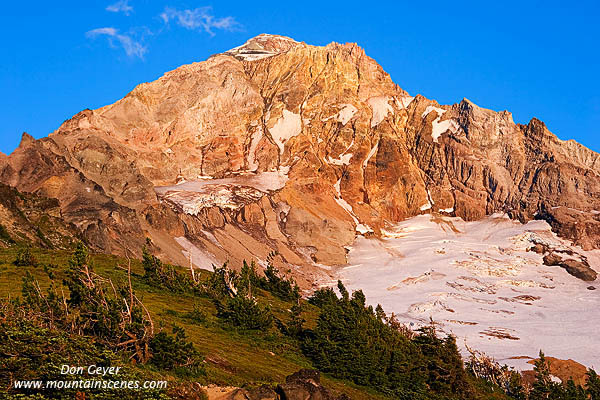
[(380, 313), (281, 286), (248, 279), (25, 258), (323, 297), (573, 392), (78, 271), (296, 325), (593, 385), (343, 291), (543, 385), (244, 313)]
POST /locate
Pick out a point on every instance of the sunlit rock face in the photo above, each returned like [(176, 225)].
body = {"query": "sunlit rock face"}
[(280, 146)]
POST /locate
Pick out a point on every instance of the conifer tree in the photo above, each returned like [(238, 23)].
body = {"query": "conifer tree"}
[(593, 385), (543, 385), (573, 392)]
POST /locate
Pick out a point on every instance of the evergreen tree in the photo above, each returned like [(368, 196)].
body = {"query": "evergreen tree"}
[(175, 353), (515, 388), (296, 325), (593, 385), (245, 313), (322, 297), (280, 286), (543, 385), (574, 392), (353, 341), (164, 275), (25, 258)]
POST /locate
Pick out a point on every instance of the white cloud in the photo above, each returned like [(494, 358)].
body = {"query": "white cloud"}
[(120, 6), (199, 19), (132, 47)]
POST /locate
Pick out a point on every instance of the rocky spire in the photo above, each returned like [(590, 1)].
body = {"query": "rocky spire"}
[(26, 138)]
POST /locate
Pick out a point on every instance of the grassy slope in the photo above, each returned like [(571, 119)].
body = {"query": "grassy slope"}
[(234, 358)]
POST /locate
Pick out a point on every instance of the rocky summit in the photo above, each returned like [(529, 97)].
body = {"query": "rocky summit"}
[(280, 147)]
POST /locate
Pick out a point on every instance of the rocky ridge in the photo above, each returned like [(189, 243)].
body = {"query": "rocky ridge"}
[(279, 146)]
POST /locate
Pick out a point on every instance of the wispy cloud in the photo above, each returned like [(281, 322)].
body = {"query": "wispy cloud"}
[(132, 47), (120, 6), (199, 19)]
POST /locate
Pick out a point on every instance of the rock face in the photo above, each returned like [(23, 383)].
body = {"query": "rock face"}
[(294, 148), (26, 217)]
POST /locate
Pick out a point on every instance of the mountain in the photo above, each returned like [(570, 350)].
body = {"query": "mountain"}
[(280, 146)]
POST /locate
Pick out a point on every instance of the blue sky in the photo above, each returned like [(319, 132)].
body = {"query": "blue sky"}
[(535, 58)]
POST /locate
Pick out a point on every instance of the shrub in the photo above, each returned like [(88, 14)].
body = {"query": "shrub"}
[(196, 316), (593, 385), (175, 352), (280, 286), (165, 275), (25, 258), (29, 351), (295, 326), (245, 313), (322, 297)]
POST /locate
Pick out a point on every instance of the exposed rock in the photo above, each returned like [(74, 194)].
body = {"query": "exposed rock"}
[(262, 393), (353, 150), (552, 259), (262, 46), (26, 139), (304, 385), (539, 248), (591, 287), (579, 269), (562, 369), (33, 219)]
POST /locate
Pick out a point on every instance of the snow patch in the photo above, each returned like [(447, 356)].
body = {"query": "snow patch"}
[(481, 272), (344, 158), (440, 127), (288, 126), (403, 101), (440, 111), (360, 228), (437, 127), (381, 107), (200, 259), (429, 204), (371, 154), (227, 193), (346, 114)]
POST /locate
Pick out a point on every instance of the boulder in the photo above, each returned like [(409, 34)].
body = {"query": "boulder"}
[(539, 248), (579, 269), (304, 385)]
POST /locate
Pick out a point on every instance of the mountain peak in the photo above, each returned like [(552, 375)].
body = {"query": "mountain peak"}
[(26, 139), (263, 46)]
